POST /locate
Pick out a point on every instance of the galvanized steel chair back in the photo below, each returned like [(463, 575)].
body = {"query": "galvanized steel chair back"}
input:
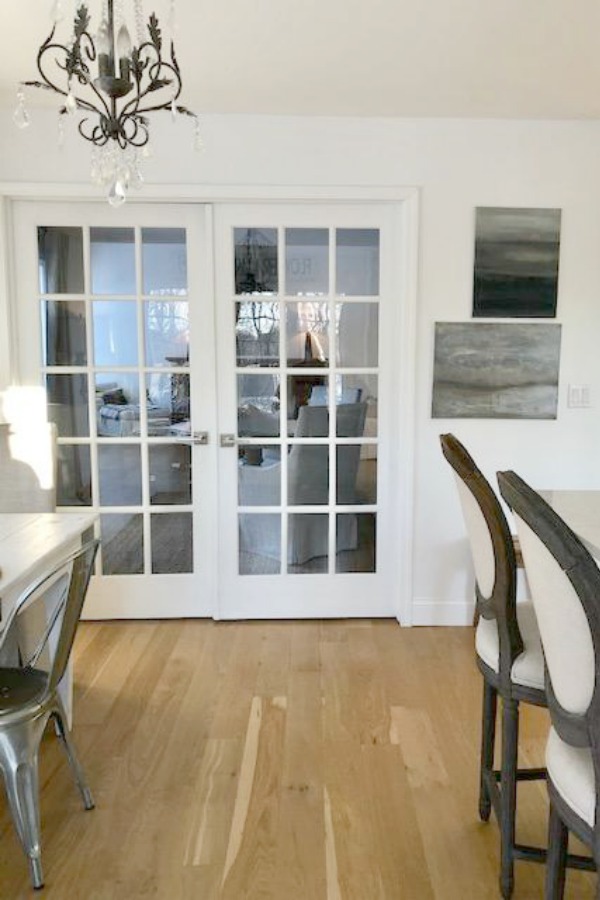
[(43, 623)]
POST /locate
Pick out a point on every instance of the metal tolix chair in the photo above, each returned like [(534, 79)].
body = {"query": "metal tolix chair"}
[(34, 653)]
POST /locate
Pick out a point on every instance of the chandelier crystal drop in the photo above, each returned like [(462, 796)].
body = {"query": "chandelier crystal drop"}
[(111, 85)]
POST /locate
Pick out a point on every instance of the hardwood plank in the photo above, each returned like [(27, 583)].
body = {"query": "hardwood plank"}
[(250, 863), (301, 844), (277, 760)]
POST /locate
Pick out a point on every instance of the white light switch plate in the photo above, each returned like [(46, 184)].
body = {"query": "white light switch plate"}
[(578, 396)]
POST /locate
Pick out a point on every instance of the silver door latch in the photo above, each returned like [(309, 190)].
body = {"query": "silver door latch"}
[(200, 438), (228, 440)]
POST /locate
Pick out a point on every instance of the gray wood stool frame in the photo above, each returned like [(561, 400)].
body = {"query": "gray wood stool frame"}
[(498, 788), (577, 730)]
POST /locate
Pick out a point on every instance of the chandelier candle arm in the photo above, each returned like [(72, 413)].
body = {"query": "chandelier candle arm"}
[(131, 81)]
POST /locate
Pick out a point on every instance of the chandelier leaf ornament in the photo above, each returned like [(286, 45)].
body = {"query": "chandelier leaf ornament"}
[(113, 86)]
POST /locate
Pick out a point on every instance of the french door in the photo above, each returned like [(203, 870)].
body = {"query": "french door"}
[(307, 311), (222, 381), (115, 321)]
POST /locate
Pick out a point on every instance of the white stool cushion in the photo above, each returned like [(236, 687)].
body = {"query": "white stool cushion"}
[(572, 773), (528, 668)]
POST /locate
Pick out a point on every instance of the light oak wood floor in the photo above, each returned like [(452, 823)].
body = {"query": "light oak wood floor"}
[(286, 760)]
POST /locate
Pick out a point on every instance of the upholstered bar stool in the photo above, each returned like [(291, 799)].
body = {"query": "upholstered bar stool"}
[(508, 653), (565, 588)]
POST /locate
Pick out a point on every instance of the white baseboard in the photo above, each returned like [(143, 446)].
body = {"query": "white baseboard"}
[(442, 612)]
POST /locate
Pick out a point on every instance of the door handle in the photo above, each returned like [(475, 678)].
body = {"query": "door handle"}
[(228, 440), (197, 439)]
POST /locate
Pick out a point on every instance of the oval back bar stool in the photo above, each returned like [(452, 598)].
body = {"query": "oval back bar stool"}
[(565, 587), (508, 653)]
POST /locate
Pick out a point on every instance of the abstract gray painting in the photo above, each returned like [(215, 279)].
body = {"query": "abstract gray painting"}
[(516, 262), (495, 371)]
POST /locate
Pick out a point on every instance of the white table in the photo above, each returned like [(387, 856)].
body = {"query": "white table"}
[(30, 544), (581, 511)]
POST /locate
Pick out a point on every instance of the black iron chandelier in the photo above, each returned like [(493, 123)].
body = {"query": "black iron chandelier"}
[(113, 85)]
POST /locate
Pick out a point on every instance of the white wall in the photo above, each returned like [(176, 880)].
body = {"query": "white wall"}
[(459, 165)]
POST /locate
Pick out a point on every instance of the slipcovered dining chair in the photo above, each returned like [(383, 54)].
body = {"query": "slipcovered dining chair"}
[(308, 484), (508, 652), (34, 653), (565, 588)]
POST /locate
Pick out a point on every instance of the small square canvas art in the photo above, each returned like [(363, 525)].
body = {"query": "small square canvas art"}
[(516, 262), (495, 371)]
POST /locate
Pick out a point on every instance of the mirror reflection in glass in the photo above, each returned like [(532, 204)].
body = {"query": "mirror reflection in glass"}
[(308, 474), (259, 475), (356, 475), (74, 475), (112, 260), (122, 547), (68, 404), (120, 474), (168, 403), (308, 539), (117, 404), (306, 261), (258, 405), (307, 333), (60, 260), (359, 388), (259, 544), (167, 332), (355, 542), (115, 332), (257, 333), (357, 334), (172, 543), (63, 333), (255, 260), (164, 261), (357, 262), (170, 473)]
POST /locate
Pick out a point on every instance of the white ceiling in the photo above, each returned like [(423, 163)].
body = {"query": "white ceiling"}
[(463, 58)]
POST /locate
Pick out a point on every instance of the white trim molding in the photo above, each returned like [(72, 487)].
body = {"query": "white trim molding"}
[(442, 612)]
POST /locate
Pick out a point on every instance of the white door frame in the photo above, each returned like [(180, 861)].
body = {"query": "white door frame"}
[(406, 200)]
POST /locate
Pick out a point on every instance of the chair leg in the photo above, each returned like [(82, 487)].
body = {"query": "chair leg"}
[(556, 861), (69, 748), (508, 790), (488, 735), (19, 763)]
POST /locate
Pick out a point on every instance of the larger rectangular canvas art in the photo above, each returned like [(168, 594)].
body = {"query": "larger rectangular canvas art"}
[(495, 371), (516, 262)]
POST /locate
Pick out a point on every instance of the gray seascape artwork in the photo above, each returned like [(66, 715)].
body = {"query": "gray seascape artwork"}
[(516, 262), (495, 371)]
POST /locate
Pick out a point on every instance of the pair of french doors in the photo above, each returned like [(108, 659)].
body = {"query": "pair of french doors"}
[(222, 381)]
